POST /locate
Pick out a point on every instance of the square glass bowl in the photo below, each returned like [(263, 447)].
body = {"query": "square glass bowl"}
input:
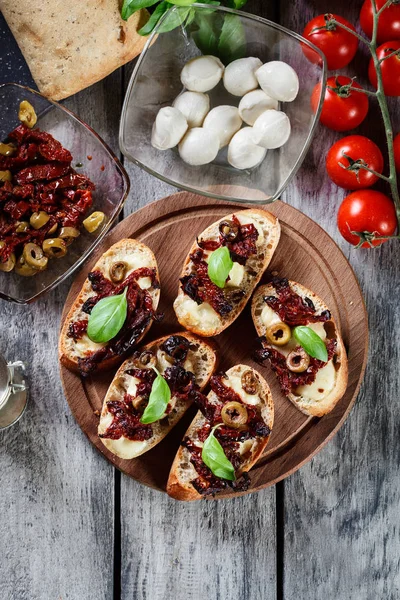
[(102, 167), (155, 83)]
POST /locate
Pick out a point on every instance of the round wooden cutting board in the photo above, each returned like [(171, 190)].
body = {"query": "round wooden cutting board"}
[(305, 254)]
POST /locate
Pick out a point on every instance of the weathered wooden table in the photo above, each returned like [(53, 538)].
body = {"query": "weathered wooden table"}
[(71, 527)]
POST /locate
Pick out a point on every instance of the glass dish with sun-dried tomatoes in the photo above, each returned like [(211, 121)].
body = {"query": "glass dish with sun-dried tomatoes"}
[(43, 199)]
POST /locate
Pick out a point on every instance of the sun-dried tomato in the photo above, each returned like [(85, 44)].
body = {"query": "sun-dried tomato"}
[(42, 179), (126, 422), (77, 329), (289, 380), (291, 307)]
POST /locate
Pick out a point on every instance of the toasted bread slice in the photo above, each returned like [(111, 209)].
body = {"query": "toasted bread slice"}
[(135, 255), (183, 472), (202, 319), (319, 397), (201, 360)]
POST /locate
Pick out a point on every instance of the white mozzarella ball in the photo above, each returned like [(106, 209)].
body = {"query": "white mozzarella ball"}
[(224, 121), (243, 153), (199, 146), (239, 76), (169, 128), (202, 73), (194, 106), (279, 80), (271, 129), (253, 104)]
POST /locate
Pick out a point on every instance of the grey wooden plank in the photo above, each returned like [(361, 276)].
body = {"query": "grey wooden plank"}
[(341, 510), (215, 550), (57, 492)]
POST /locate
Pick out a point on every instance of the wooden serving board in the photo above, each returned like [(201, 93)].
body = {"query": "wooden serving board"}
[(305, 254)]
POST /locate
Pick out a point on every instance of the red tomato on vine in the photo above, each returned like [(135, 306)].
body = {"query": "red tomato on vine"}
[(365, 214), (344, 107), (389, 20), (389, 54), (347, 158), (338, 45)]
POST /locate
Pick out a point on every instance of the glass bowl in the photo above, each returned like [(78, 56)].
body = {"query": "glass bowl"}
[(91, 157), (155, 83)]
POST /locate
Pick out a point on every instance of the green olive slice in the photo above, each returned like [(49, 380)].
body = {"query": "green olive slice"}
[(68, 234), (93, 221), (39, 219), (26, 114), (34, 257), (22, 226), (5, 175), (234, 414), (117, 271), (22, 268), (54, 247), (278, 334), (7, 149)]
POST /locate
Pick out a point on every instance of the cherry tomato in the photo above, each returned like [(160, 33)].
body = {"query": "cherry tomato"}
[(390, 69), (346, 158), (368, 212), (396, 145), (343, 108), (389, 20), (338, 45)]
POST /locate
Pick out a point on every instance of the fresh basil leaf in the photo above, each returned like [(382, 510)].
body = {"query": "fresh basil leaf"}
[(311, 342), (107, 318), (154, 18), (174, 19), (159, 397), (181, 2), (207, 32), (214, 457), (219, 265), (232, 41), (236, 3), (131, 6)]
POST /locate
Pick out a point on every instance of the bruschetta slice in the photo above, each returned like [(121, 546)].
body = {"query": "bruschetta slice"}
[(239, 413), (251, 237), (314, 386), (185, 362), (127, 264)]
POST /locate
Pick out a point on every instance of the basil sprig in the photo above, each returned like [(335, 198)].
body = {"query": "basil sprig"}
[(311, 342), (107, 318), (159, 397), (219, 266), (214, 457)]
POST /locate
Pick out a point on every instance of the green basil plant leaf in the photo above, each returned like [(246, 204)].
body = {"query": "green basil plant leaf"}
[(107, 318), (219, 265), (131, 6), (311, 342), (182, 2), (232, 41), (174, 19), (214, 457), (159, 397), (154, 18), (236, 3)]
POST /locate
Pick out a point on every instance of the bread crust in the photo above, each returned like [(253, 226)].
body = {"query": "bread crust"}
[(272, 235), (316, 408), (66, 355), (184, 490), (182, 406)]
